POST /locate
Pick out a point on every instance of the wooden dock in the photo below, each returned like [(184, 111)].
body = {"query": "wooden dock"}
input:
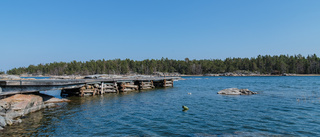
[(83, 87)]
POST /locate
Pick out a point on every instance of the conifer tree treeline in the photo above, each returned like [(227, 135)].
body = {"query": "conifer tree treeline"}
[(263, 64)]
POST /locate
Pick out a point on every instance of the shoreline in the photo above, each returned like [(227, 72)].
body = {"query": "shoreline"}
[(307, 75), (296, 75), (104, 76)]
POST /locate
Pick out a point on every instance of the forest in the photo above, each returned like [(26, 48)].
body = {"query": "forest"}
[(266, 64)]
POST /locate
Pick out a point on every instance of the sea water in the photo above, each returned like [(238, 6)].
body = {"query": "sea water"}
[(284, 106)]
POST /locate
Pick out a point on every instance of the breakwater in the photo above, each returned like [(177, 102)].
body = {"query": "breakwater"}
[(84, 86), (21, 97)]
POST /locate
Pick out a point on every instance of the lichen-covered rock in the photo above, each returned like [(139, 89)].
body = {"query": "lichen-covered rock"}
[(9, 121), (23, 104), (17, 121), (18, 105), (2, 121), (4, 106), (10, 77), (247, 92), (236, 91), (55, 100)]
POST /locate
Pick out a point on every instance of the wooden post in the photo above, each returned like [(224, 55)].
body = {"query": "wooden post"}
[(123, 87), (141, 85), (102, 92), (152, 84), (172, 82), (116, 87), (94, 91), (81, 92)]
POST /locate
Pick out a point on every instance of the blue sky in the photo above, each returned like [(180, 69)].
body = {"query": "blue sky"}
[(38, 31)]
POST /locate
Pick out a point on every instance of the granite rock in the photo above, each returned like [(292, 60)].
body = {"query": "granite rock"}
[(236, 91)]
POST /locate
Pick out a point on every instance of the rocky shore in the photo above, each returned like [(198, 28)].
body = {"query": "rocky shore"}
[(155, 74), (96, 76), (16, 106), (236, 91)]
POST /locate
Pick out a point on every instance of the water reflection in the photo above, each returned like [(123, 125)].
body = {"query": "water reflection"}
[(29, 126)]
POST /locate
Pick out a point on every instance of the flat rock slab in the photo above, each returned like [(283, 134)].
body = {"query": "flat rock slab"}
[(9, 77), (18, 105), (55, 100), (236, 91), (51, 99), (20, 101)]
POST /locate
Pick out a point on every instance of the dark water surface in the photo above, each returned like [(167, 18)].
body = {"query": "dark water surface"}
[(285, 106)]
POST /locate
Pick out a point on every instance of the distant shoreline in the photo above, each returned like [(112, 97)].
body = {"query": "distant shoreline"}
[(307, 74), (17, 77), (299, 75)]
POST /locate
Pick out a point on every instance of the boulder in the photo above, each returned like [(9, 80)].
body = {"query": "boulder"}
[(4, 106), (236, 91), (50, 100), (18, 105), (56, 100), (2, 121), (10, 77), (247, 92), (9, 121), (24, 104), (17, 121)]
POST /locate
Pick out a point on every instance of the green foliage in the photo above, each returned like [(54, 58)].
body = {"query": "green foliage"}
[(1, 72), (263, 64)]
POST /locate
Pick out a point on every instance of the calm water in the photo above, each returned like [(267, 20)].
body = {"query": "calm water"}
[(285, 106), (37, 77)]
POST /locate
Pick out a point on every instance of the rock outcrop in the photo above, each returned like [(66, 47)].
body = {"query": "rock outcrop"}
[(9, 77), (236, 91), (18, 105)]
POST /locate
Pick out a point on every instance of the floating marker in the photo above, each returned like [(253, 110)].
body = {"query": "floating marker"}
[(185, 108)]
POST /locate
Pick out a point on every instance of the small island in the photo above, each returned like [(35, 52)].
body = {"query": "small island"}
[(236, 91)]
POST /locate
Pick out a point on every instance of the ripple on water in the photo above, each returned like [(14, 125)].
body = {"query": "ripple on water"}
[(285, 106)]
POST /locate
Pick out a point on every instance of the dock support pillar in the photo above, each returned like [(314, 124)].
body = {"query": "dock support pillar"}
[(116, 87), (147, 84), (102, 86)]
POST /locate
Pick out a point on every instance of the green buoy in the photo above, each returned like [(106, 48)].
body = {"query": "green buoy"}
[(185, 108)]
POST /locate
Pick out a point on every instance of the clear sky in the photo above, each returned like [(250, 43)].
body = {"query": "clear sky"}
[(44, 31)]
